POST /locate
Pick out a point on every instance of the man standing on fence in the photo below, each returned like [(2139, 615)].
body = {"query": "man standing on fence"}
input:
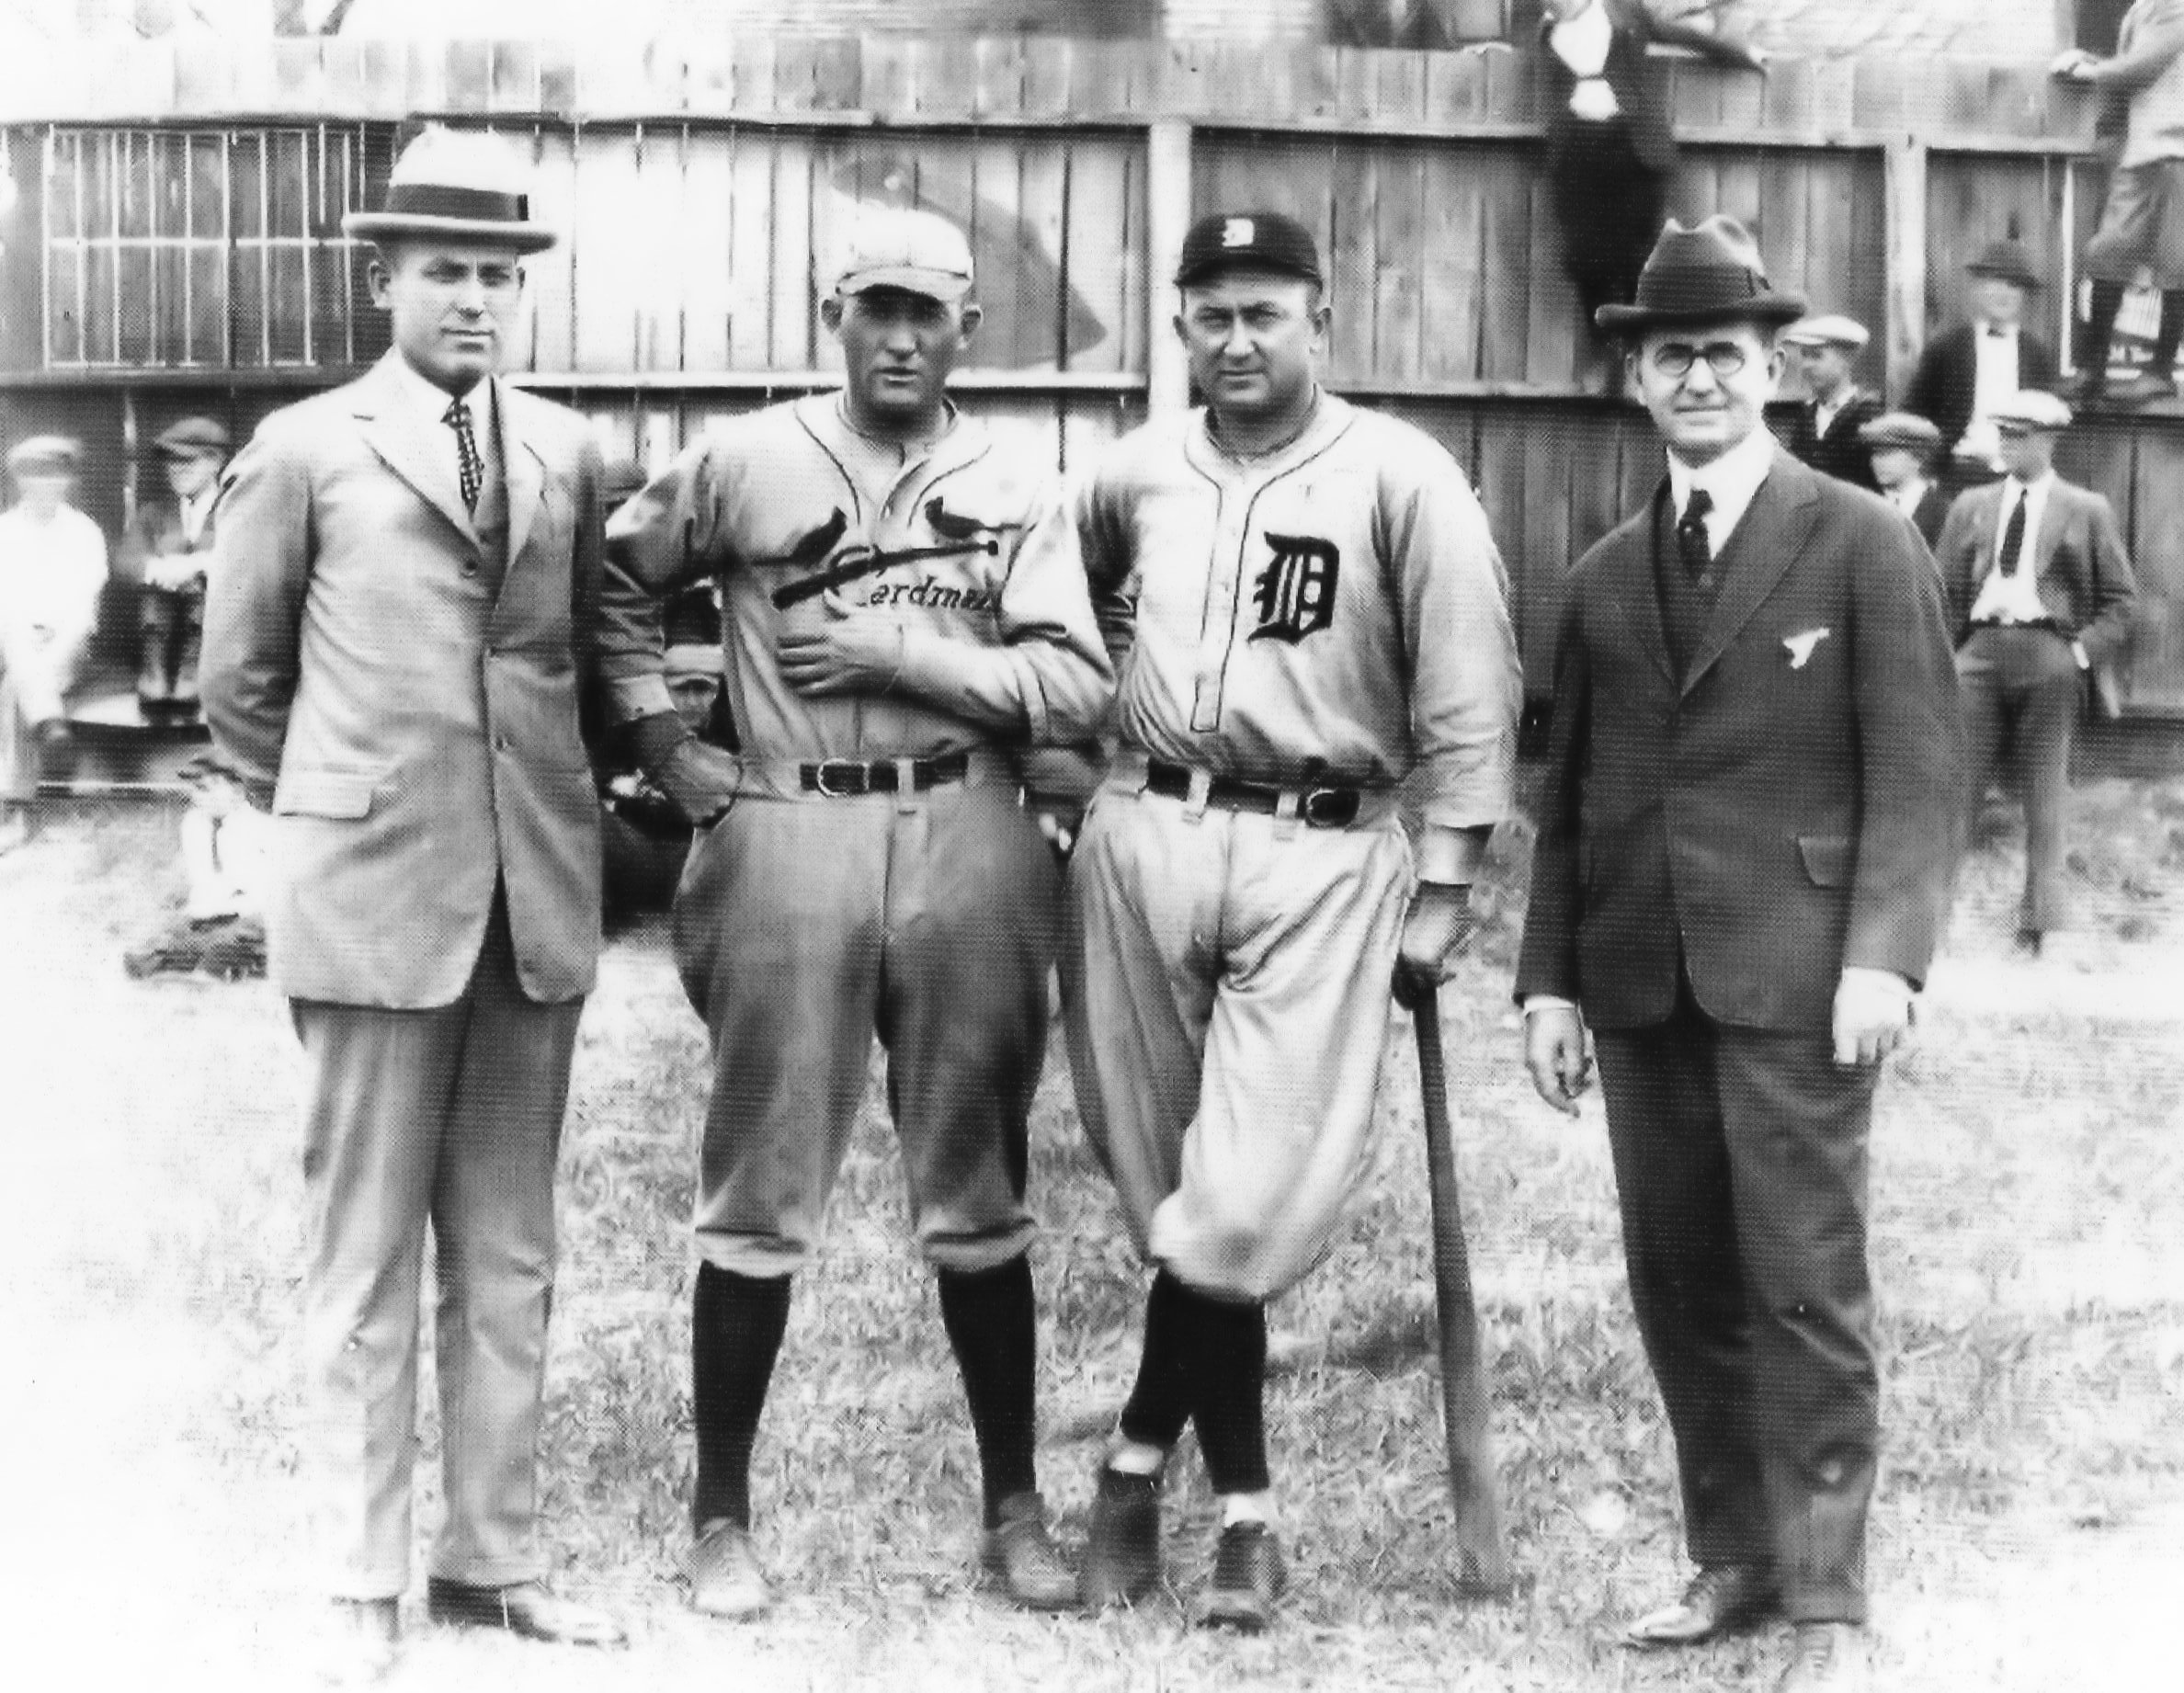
[(1307, 605), (1741, 868), (393, 642), (904, 613)]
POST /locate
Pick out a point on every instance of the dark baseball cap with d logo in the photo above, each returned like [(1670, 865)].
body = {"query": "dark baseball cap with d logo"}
[(1247, 240)]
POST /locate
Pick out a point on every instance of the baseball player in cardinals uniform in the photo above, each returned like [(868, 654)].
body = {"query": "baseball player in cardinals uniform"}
[(903, 608), (1305, 604)]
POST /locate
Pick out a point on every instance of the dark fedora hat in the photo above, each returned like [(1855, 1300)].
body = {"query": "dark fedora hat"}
[(2007, 260), (1710, 274)]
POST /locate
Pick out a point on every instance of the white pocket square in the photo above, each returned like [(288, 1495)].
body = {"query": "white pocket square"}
[(1800, 647)]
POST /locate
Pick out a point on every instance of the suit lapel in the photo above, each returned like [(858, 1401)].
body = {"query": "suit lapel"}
[(1637, 594), (1774, 531), (396, 435), (521, 463), (2054, 518)]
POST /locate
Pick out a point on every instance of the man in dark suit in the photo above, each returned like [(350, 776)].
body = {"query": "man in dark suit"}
[(394, 636), (2039, 591), (1966, 371), (162, 552), (1741, 868), (1901, 447), (1825, 434)]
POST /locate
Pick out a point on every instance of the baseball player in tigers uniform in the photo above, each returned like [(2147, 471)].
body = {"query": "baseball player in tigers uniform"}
[(903, 608), (1305, 604)]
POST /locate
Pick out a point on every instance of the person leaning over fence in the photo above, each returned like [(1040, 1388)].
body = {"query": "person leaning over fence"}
[(1900, 446), (52, 565), (1741, 870), (164, 551), (905, 615), (2141, 220), (394, 643), (2039, 595), (1306, 606)]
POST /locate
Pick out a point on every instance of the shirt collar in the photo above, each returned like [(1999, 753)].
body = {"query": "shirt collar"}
[(2000, 332), (428, 401), (1732, 480), (2038, 486)]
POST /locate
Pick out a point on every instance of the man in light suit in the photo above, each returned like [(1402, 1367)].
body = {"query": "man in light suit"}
[(2039, 591), (393, 642), (1741, 868)]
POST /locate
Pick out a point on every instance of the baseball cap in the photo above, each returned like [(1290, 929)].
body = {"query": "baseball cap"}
[(905, 247), (1259, 240)]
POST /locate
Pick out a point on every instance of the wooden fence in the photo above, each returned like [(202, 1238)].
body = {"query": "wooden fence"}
[(175, 237)]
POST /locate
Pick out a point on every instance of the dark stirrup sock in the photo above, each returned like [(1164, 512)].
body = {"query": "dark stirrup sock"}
[(2101, 328), (1228, 1399), (736, 1334), (1160, 1401), (992, 1323), (2164, 362)]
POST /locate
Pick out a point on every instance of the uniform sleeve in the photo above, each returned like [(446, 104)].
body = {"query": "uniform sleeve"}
[(1466, 686), (669, 534), (1911, 763), (1110, 573), (1050, 678), (254, 606)]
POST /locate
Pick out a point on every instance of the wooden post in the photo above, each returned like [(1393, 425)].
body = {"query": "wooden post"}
[(1167, 220), (1904, 240)]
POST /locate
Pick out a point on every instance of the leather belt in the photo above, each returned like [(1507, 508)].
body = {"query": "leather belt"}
[(846, 779), (1318, 808), (2049, 624)]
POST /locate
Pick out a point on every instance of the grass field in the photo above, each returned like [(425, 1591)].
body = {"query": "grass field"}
[(2029, 1181)]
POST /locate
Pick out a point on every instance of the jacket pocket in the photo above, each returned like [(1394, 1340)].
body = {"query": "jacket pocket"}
[(326, 793), (1828, 860)]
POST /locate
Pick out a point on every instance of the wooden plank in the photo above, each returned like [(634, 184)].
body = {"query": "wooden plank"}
[(558, 78), (167, 308), (1554, 338), (707, 247), (1398, 353), (1496, 469), (1047, 73), (2154, 669), (1508, 276), (1046, 323), (468, 75), (1349, 196), (1456, 87), (1454, 296), (1167, 196), (611, 278), (750, 249), (551, 274), (997, 89), (797, 341), (207, 217), (1097, 236), (513, 78)]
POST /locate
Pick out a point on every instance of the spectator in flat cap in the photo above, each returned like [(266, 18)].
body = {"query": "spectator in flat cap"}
[(1966, 371), (52, 565), (227, 864), (164, 550), (1610, 151), (1900, 446), (2039, 591), (2141, 220), (1825, 434)]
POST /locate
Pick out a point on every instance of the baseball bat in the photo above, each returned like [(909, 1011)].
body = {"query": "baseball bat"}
[(1480, 1542)]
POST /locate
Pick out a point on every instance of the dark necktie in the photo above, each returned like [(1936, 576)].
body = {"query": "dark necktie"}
[(458, 418), (1690, 535), (2013, 536)]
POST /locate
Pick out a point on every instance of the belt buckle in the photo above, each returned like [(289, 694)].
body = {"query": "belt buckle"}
[(851, 772), (1328, 808)]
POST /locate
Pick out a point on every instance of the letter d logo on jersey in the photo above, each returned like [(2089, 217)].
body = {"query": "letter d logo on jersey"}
[(1295, 593)]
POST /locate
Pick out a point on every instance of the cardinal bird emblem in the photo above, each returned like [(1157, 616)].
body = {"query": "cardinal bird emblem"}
[(1800, 647)]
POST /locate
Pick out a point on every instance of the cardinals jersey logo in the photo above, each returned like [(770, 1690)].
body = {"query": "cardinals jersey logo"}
[(1295, 594)]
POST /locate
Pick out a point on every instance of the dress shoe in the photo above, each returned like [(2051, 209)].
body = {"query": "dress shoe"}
[(362, 1642), (1122, 1550), (1721, 1599), (1828, 1657), (1020, 1557), (2028, 941), (725, 1579), (1248, 1577), (525, 1608)]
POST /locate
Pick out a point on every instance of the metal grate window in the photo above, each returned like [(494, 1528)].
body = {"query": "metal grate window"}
[(208, 248)]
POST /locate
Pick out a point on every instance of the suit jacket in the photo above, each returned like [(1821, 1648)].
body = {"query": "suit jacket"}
[(156, 532), (418, 730), (1838, 453), (1930, 514), (1787, 810), (1948, 374), (1636, 85), (2082, 572)]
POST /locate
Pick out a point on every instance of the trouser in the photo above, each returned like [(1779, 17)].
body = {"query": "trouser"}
[(449, 1117), (1228, 995), (2021, 689), (170, 625), (1740, 1165), (35, 673), (803, 927)]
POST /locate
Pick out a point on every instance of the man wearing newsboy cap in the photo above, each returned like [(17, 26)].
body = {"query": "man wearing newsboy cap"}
[(2039, 591), (164, 550), (1902, 447), (1826, 433), (394, 635), (1741, 868)]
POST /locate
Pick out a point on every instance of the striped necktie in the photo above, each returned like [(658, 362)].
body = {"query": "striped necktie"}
[(458, 418)]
